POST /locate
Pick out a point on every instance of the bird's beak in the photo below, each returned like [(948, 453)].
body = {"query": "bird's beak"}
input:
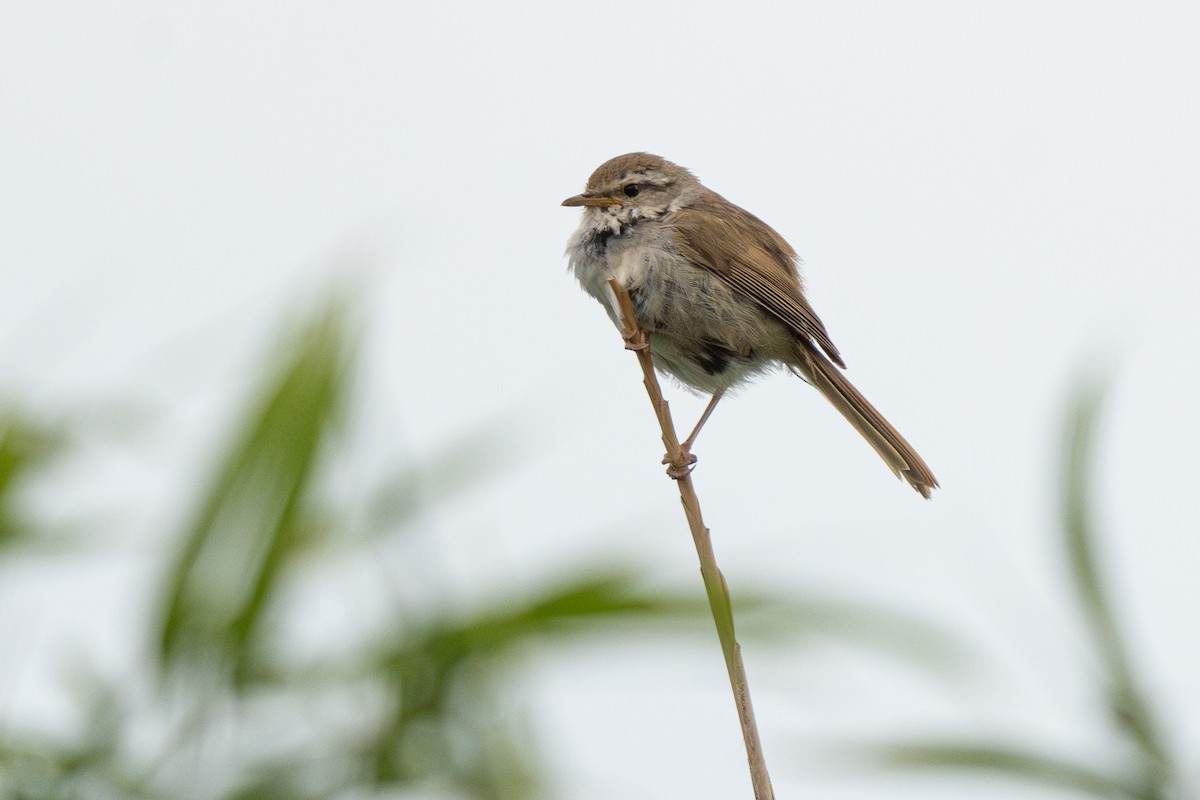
[(588, 199)]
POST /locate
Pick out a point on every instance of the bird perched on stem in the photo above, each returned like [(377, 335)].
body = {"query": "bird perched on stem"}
[(716, 290)]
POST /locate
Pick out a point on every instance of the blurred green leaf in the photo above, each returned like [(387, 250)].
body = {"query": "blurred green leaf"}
[(91, 768), (1151, 776), (1004, 760), (252, 518), (274, 783), (26, 445), (1127, 702), (599, 600), (1078, 528), (877, 628), (435, 667)]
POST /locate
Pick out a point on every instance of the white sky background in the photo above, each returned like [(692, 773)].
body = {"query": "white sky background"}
[(986, 196)]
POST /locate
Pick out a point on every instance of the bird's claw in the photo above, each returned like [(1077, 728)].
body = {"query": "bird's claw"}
[(680, 467), (636, 340)]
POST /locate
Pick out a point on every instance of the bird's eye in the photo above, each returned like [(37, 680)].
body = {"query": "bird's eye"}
[(631, 190)]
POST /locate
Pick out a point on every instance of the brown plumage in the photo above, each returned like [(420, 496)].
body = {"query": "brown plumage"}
[(717, 289)]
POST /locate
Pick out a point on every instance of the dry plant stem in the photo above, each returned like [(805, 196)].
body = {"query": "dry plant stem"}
[(714, 581)]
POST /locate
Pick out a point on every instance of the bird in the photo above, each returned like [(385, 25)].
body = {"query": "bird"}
[(717, 291)]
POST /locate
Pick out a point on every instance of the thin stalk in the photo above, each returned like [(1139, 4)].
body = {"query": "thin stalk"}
[(714, 581)]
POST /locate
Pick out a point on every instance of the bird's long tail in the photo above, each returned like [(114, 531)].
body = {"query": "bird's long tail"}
[(897, 453)]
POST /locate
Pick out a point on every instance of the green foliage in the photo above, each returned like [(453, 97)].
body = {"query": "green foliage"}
[(446, 668), (425, 704), (1150, 774), (1126, 701), (256, 513), (240, 716), (27, 445), (1011, 762)]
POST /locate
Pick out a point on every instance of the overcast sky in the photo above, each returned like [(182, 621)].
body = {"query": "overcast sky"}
[(987, 197)]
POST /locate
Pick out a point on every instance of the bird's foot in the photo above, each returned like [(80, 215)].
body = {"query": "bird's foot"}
[(680, 467), (636, 340)]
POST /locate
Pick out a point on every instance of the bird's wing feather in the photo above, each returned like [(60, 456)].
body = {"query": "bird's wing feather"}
[(754, 259)]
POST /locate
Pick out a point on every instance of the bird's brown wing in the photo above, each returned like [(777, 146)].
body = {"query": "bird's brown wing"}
[(754, 259)]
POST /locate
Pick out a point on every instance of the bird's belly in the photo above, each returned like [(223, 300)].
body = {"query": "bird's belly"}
[(705, 366), (701, 331)]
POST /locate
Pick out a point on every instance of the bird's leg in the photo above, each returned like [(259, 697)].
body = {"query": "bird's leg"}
[(677, 471), (708, 409)]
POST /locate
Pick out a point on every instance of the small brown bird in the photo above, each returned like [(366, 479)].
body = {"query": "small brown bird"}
[(716, 290)]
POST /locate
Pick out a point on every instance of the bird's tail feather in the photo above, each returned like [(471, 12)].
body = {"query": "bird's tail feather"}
[(897, 453)]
